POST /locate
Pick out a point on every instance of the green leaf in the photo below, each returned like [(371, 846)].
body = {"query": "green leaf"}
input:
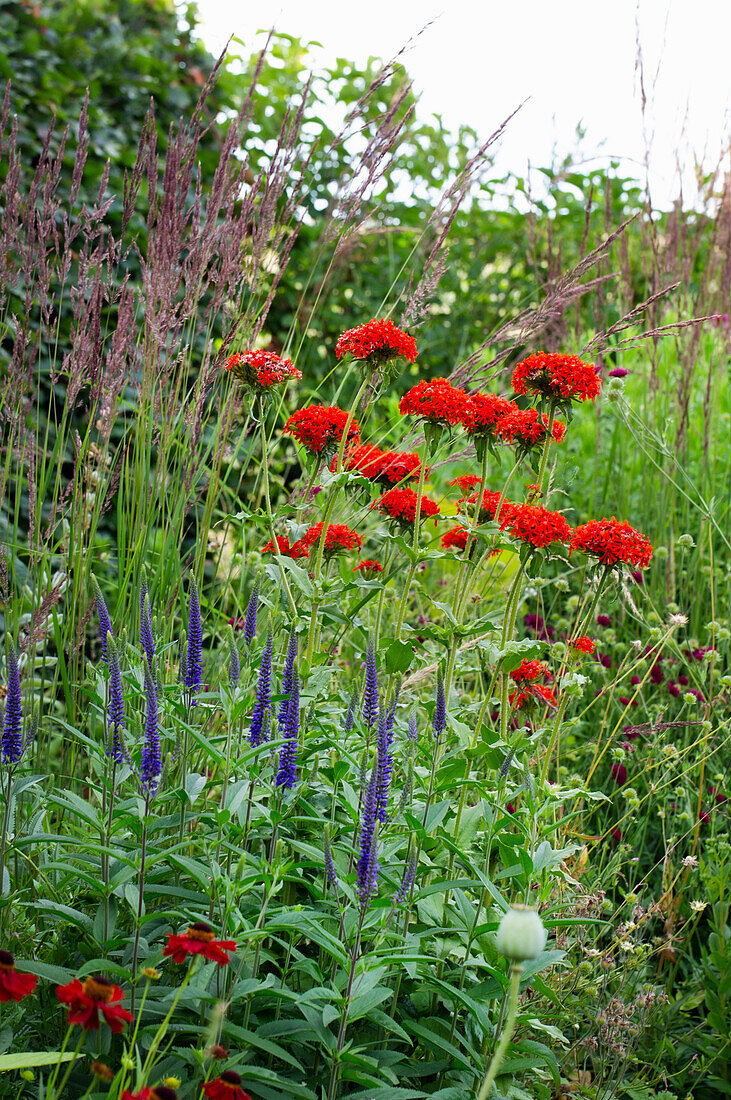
[(399, 657), (35, 1058)]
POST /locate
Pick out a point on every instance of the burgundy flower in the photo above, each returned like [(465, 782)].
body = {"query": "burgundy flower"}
[(226, 1087), (14, 985), (619, 774)]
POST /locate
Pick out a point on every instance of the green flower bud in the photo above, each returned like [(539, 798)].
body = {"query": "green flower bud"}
[(521, 934)]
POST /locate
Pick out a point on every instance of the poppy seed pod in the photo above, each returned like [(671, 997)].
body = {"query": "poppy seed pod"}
[(521, 934)]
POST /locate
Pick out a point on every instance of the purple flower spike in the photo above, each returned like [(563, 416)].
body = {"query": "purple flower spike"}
[(194, 664), (440, 710), (407, 882), (287, 682), (115, 747), (234, 661), (413, 728), (151, 769), (146, 639), (370, 696), (251, 612), (287, 774), (12, 747), (331, 874), (259, 728), (349, 720), (384, 758), (105, 623), (367, 868)]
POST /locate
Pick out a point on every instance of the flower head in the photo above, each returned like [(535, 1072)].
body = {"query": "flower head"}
[(367, 866), (525, 429), (262, 370), (368, 567), (370, 691), (455, 538), (199, 939), (584, 644), (115, 745), (534, 524), (252, 609), (296, 550), (437, 401), (488, 506), (532, 694), (105, 623), (466, 483), (89, 998), (194, 664), (14, 985), (483, 411), (378, 343), (288, 718), (259, 728), (225, 1087), (151, 767), (400, 505), (12, 741), (440, 709), (319, 428), (613, 542), (146, 639), (160, 1092), (527, 671), (338, 540), (559, 378)]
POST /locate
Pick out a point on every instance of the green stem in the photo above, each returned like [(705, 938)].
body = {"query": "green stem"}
[(497, 1058), (415, 551), (268, 505), (546, 445)]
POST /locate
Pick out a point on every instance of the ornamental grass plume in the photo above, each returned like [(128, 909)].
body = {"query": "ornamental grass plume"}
[(319, 428), (12, 743)]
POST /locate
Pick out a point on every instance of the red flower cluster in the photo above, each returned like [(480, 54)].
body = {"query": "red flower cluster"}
[(535, 524), (561, 377), (483, 411), (488, 506), (86, 1000), (400, 504), (13, 985), (388, 467), (526, 429), (438, 401), (583, 644), (295, 550), (533, 693), (319, 428), (455, 538), (199, 939), (338, 539), (612, 541), (226, 1087), (369, 567), (377, 341), (528, 671), (466, 483), (263, 369)]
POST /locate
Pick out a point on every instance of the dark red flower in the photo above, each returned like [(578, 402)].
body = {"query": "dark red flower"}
[(561, 377), (455, 538), (534, 524), (199, 939), (438, 401), (319, 428), (14, 985), (539, 625), (526, 429), (296, 550), (616, 834), (604, 660), (618, 773), (160, 1092), (618, 372), (683, 680), (482, 411), (368, 567), (262, 369), (583, 644), (603, 620), (527, 671), (612, 542), (219, 1053), (400, 504), (86, 1000), (226, 1087), (377, 341), (338, 540)]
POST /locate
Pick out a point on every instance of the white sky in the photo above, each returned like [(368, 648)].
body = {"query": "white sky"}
[(575, 59)]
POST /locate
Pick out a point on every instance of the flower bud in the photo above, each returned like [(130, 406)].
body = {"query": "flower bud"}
[(521, 934)]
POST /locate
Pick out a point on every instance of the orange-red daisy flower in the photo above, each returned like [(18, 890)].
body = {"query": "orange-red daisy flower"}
[(558, 377), (378, 341), (613, 542), (88, 998), (200, 939), (226, 1087), (14, 985), (262, 369)]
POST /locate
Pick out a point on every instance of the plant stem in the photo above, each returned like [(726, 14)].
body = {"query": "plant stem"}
[(497, 1058)]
